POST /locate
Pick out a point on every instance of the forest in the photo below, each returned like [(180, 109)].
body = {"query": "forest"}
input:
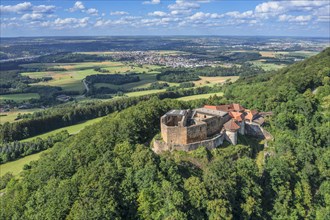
[(108, 170), (72, 113), (116, 79)]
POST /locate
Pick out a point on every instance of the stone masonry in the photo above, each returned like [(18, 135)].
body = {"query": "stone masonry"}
[(208, 126)]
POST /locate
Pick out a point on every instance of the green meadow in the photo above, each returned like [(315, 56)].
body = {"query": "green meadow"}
[(15, 167), (11, 116), (73, 129), (19, 97), (200, 96), (71, 78)]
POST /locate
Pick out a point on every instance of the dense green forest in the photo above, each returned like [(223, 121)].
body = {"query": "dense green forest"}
[(73, 113), (116, 79), (108, 170)]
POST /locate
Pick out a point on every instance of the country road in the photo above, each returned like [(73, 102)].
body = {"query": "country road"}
[(85, 84)]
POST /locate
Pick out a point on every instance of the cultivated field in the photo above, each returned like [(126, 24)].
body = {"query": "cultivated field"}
[(201, 96), (19, 97), (71, 79), (146, 92), (267, 66), (12, 115), (210, 81)]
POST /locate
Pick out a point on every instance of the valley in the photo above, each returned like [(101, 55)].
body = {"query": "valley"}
[(79, 125)]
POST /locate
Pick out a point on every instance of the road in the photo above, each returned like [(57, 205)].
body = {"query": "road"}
[(86, 86)]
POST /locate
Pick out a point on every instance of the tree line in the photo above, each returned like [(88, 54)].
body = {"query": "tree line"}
[(65, 115), (15, 150)]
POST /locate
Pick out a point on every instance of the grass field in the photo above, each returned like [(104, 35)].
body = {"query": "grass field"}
[(19, 97), (71, 79), (12, 115), (201, 96), (145, 81), (15, 167), (73, 129), (268, 66), (268, 53), (210, 81), (147, 92)]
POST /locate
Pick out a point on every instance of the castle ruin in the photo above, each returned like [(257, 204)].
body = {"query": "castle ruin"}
[(208, 126)]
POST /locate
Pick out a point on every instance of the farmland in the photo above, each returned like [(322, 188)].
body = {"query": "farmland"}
[(267, 66), (71, 78), (20, 97), (201, 96), (11, 116), (210, 81), (15, 167)]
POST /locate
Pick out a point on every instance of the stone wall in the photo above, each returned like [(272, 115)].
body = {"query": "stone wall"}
[(254, 130), (231, 137), (173, 134), (213, 125), (242, 128), (160, 146), (195, 133)]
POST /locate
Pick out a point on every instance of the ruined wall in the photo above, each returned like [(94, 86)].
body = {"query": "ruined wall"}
[(195, 133), (173, 134), (231, 137), (160, 146), (213, 125), (254, 130), (242, 127), (223, 120)]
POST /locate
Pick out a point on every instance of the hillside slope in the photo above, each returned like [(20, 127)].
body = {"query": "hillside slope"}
[(107, 171)]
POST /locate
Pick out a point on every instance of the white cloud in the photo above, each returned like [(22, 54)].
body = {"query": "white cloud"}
[(237, 14), (45, 9), (19, 8), (119, 13), (102, 23), (181, 12), (291, 18), (78, 6), (92, 11), (62, 23), (183, 5), (152, 2), (32, 16), (202, 15), (269, 7), (274, 8), (324, 18), (158, 13)]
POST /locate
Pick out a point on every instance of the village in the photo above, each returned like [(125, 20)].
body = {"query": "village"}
[(156, 58)]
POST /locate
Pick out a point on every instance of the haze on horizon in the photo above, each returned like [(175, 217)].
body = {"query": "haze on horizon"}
[(159, 17)]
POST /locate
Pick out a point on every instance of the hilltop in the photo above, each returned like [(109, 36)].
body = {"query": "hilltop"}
[(108, 170)]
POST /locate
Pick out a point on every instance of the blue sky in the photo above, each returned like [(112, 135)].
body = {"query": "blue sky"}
[(160, 17)]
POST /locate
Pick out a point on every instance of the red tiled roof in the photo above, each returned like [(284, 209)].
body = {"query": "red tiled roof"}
[(237, 116), (226, 108), (213, 107), (250, 114), (231, 125), (237, 107)]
